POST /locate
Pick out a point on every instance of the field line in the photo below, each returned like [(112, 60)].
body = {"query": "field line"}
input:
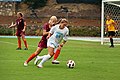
[(14, 43)]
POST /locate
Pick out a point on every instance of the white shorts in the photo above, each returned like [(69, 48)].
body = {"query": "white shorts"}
[(52, 44)]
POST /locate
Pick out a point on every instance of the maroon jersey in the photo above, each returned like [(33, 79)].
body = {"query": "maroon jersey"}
[(20, 27), (45, 27), (20, 24), (43, 42)]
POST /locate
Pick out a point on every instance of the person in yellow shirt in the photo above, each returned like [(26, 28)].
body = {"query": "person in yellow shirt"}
[(110, 28)]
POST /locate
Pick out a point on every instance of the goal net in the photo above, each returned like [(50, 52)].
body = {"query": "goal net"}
[(112, 8)]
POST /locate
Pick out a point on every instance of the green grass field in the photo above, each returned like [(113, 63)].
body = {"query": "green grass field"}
[(93, 62)]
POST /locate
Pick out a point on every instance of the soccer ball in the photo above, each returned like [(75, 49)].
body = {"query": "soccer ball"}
[(70, 64)]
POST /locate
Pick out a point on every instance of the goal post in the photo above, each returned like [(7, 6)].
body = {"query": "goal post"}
[(112, 8)]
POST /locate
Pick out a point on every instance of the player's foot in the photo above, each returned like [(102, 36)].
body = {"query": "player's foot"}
[(36, 61), (25, 63), (39, 66), (18, 49), (112, 46), (37, 58), (55, 62), (25, 48)]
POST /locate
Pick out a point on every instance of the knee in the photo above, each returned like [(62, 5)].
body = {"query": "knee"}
[(51, 54), (59, 48), (24, 39), (18, 38), (36, 53)]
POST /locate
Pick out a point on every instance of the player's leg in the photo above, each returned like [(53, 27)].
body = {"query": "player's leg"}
[(111, 38), (19, 40), (37, 59), (19, 43), (57, 53), (25, 42), (33, 56), (46, 57), (111, 41)]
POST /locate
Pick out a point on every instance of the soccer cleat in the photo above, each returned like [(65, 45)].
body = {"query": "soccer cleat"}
[(25, 63), (55, 62), (112, 46), (25, 48), (36, 60), (18, 49), (39, 66)]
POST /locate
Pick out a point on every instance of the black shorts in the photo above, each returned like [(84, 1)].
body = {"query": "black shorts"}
[(111, 33)]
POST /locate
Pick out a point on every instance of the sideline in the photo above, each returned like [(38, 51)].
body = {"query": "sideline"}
[(97, 39), (93, 39)]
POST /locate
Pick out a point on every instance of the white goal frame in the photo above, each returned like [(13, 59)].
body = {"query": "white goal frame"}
[(103, 18)]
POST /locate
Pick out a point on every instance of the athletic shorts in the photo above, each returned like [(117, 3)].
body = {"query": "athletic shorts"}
[(111, 33), (20, 33), (42, 44), (52, 44)]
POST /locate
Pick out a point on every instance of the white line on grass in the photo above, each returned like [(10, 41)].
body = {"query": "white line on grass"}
[(8, 42), (90, 62), (13, 43)]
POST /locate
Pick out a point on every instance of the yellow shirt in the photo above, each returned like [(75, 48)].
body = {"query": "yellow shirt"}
[(110, 25)]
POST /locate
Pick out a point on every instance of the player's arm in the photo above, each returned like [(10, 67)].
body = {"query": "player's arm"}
[(45, 32), (64, 41), (62, 44), (24, 27), (12, 25), (52, 30), (114, 23), (49, 35), (65, 38), (106, 27)]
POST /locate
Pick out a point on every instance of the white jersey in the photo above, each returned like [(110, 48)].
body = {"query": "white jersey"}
[(57, 35)]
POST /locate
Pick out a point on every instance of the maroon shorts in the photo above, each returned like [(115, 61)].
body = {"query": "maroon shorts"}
[(20, 33), (42, 44)]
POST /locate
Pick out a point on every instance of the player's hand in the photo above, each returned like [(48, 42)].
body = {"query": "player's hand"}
[(23, 30), (61, 45), (9, 26), (105, 32), (47, 37)]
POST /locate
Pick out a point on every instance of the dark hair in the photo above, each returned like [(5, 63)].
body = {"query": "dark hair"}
[(21, 14), (59, 21), (64, 20)]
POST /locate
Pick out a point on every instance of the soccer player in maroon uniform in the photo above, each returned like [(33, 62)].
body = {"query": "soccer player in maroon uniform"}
[(21, 27), (43, 42)]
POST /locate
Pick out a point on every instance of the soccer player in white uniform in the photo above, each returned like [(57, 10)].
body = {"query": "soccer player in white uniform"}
[(56, 35)]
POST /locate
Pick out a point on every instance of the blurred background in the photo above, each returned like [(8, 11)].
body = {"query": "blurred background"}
[(83, 15)]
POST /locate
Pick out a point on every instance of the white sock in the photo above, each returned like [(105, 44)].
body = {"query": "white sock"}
[(40, 57), (45, 58)]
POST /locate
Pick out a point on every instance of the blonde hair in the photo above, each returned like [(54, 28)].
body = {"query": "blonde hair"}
[(53, 18)]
